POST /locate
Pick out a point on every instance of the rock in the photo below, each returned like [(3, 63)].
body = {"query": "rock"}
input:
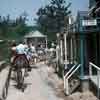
[(82, 96)]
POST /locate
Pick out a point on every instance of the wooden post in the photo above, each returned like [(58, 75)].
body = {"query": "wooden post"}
[(71, 50), (61, 51), (98, 80), (46, 43), (90, 71), (65, 44), (67, 87)]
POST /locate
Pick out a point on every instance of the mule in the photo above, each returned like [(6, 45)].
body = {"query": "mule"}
[(20, 66)]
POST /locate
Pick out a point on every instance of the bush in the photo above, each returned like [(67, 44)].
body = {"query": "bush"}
[(4, 50)]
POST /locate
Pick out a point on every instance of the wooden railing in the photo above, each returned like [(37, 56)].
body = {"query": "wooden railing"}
[(67, 76), (91, 66)]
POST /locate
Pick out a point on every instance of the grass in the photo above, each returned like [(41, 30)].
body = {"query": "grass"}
[(4, 51)]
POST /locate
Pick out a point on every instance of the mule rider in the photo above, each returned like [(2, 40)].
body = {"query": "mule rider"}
[(21, 51)]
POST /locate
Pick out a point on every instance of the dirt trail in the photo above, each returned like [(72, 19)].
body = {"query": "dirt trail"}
[(42, 84), (37, 88)]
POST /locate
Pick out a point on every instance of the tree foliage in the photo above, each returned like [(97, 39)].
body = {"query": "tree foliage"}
[(13, 28), (53, 17)]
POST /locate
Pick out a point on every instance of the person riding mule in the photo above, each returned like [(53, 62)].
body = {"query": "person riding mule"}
[(33, 54), (20, 56), (19, 63)]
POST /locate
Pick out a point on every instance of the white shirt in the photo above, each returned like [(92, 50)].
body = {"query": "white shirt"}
[(52, 49), (20, 49), (33, 48)]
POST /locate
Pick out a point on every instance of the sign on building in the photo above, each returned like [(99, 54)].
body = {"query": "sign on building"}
[(89, 22)]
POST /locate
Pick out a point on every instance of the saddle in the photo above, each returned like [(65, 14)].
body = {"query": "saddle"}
[(21, 61)]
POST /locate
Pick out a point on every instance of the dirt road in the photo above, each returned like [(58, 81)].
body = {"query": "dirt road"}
[(37, 86), (42, 84)]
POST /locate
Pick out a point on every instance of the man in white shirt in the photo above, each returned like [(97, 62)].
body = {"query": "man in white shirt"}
[(20, 49), (33, 48), (23, 50)]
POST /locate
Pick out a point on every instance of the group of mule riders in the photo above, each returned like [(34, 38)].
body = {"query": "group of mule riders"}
[(22, 57), (26, 51)]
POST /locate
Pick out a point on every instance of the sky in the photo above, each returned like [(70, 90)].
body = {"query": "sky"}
[(16, 7)]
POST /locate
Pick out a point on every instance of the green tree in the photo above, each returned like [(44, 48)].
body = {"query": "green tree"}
[(13, 28), (53, 17)]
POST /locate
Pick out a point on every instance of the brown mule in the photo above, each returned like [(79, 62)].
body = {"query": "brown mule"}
[(20, 66)]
